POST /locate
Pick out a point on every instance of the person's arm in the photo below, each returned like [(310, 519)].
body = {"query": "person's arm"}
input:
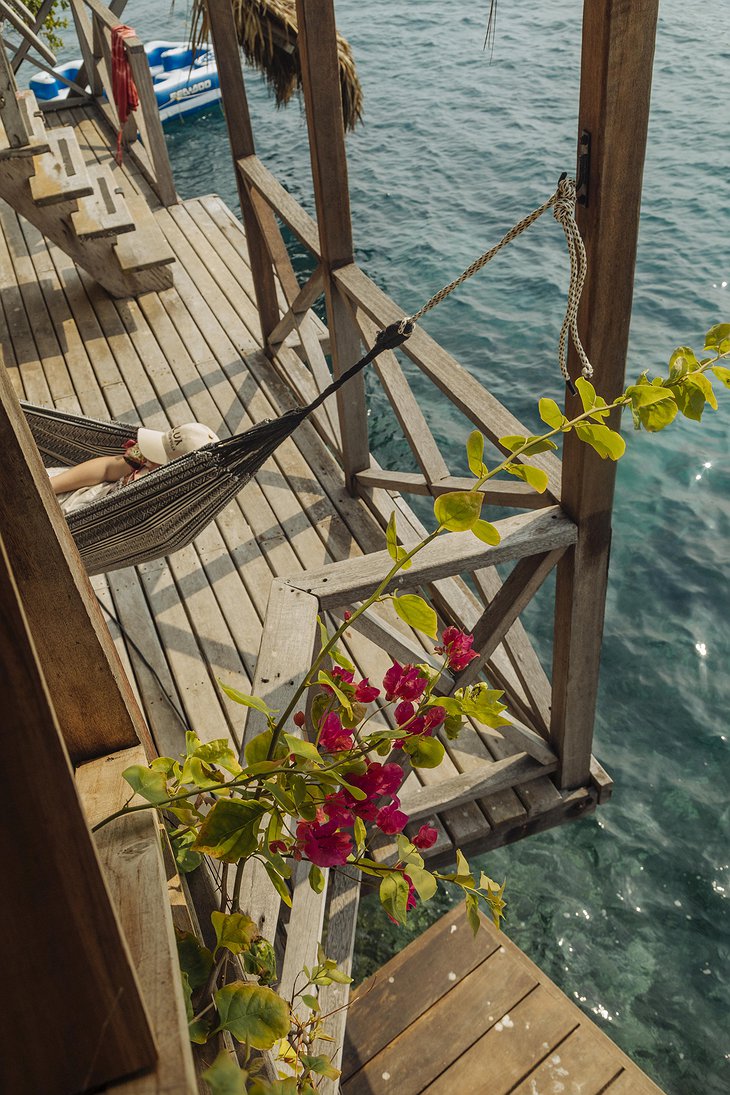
[(102, 469)]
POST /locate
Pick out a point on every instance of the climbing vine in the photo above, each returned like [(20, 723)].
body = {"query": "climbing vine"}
[(322, 781)]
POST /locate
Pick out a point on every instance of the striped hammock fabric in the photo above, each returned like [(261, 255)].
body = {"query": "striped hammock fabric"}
[(163, 511)]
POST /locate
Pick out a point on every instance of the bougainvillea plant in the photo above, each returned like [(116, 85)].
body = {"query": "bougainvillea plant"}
[(322, 781)]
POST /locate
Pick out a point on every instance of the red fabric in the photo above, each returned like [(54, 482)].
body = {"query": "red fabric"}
[(125, 94)]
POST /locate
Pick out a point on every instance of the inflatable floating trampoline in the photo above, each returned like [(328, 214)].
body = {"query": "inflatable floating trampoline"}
[(184, 80)]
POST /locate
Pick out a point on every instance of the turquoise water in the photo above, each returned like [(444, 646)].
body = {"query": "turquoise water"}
[(627, 911)]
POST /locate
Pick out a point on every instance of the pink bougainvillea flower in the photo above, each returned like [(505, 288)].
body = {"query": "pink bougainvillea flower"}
[(323, 845), (366, 692), (391, 819), (278, 846), (404, 682), (426, 837), (299, 718), (378, 779), (456, 646), (337, 810), (340, 677), (404, 712), (434, 717), (333, 738)]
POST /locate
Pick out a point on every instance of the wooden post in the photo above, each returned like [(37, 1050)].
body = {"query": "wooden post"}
[(12, 119), (92, 697), (317, 44), (240, 135), (66, 968), (616, 71), (149, 114)]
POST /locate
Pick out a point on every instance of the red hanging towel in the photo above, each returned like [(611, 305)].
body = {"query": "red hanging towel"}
[(123, 88)]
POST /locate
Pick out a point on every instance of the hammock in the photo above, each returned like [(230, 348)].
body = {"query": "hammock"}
[(165, 510)]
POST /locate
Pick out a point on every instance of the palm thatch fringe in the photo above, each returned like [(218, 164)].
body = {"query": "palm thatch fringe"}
[(267, 32)]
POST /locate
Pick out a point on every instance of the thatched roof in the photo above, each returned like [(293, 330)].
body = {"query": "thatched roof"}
[(267, 32)]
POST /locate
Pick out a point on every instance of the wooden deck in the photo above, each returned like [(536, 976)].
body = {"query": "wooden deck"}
[(191, 352), (456, 1014)]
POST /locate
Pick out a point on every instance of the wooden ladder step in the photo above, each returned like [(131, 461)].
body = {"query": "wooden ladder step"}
[(145, 247), (104, 212), (35, 125), (60, 173)]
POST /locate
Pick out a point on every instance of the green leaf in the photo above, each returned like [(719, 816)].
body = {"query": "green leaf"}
[(321, 1065), (463, 869), (425, 883), (257, 748), (219, 752), (424, 752), (310, 1001), (537, 445), (458, 510), (252, 1013), (643, 395), (486, 532), (246, 701), (512, 441), (224, 1077), (605, 441), (536, 477), (280, 1087), (394, 896), (418, 613), (195, 960), (185, 858), (718, 338), (151, 785), (681, 362), (722, 374), (316, 878), (230, 831), (477, 701), (475, 454), (278, 883), (301, 748), (472, 912), (395, 551), (233, 931), (551, 414), (360, 832), (197, 1031)]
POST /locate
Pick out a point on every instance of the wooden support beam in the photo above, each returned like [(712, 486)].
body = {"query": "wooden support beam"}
[(317, 42), (469, 786), (616, 71), (13, 123), (305, 298), (519, 589), (453, 553), (281, 201), (497, 492), (6, 12), (147, 117), (92, 697), (66, 968), (224, 38)]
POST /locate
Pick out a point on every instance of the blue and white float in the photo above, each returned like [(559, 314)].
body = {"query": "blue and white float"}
[(184, 80)]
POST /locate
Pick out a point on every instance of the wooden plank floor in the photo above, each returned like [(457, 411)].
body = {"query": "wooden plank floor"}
[(193, 352), (453, 1013)]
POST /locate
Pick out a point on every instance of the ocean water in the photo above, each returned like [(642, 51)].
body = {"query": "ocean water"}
[(627, 911)]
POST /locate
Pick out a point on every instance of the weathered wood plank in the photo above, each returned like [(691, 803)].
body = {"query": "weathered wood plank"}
[(131, 857), (76, 981), (303, 301), (281, 201), (451, 553), (517, 592), (618, 49), (448, 793), (342, 901)]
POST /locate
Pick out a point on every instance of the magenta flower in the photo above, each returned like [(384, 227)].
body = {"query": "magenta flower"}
[(340, 676), (365, 692), (434, 717), (378, 779), (337, 810), (323, 844), (404, 712), (456, 646), (278, 846), (391, 819), (404, 682), (333, 738), (426, 837)]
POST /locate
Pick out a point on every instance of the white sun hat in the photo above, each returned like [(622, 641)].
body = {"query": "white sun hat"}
[(162, 447)]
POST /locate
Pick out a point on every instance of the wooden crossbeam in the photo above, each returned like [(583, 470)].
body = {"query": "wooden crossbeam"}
[(497, 492), (452, 553), (281, 201), (478, 783), (519, 589), (303, 301)]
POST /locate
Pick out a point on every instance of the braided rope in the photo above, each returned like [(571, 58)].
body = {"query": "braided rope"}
[(563, 204)]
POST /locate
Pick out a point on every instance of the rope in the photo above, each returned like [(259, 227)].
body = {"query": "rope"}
[(563, 204)]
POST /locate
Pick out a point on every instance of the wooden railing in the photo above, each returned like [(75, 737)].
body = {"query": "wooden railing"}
[(94, 23), (618, 43)]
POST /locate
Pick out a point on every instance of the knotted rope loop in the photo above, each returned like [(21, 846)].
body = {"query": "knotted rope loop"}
[(562, 203)]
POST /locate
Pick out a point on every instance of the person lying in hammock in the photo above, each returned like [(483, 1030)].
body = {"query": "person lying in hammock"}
[(85, 483)]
